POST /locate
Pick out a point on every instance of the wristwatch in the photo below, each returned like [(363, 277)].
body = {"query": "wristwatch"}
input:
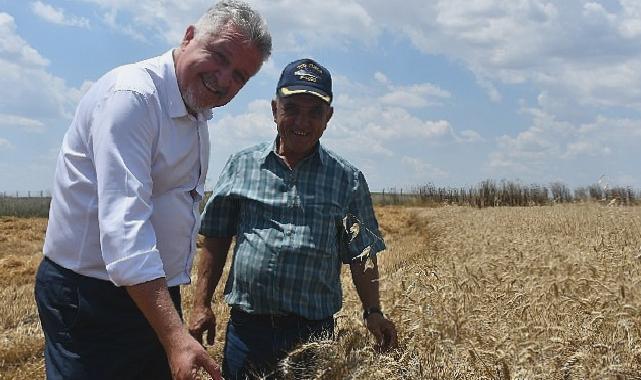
[(372, 310)]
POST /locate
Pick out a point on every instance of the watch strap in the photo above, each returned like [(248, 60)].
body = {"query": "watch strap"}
[(372, 310)]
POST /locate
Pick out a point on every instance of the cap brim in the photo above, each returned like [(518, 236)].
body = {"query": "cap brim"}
[(285, 91)]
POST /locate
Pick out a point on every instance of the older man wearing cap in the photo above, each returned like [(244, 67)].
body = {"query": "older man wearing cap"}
[(283, 201)]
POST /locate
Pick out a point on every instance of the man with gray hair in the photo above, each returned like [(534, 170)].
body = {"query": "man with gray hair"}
[(124, 212)]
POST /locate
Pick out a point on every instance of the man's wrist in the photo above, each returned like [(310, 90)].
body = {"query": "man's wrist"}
[(372, 310), (201, 304)]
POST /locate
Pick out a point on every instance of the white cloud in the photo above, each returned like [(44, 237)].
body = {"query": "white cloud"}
[(14, 49), (21, 122), (470, 136), (415, 96), (585, 148), (31, 96), (333, 23), (57, 15), (396, 123), (110, 18), (380, 114), (21, 88), (490, 88), (422, 169), (574, 49), (552, 146), (349, 20), (381, 78), (250, 127), (631, 21)]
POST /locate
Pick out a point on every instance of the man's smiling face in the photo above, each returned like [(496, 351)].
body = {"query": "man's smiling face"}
[(301, 120), (212, 69)]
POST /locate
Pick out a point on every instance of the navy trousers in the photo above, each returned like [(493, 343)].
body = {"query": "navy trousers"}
[(256, 343), (94, 330)]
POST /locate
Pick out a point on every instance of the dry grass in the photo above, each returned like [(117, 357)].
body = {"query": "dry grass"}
[(21, 342), (501, 293)]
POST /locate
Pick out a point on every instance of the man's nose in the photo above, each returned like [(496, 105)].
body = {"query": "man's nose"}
[(302, 118)]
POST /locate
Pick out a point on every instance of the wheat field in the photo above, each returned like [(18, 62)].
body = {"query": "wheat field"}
[(498, 293)]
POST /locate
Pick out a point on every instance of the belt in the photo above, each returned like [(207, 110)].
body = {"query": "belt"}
[(174, 291), (272, 320)]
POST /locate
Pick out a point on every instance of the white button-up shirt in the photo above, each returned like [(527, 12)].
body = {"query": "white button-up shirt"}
[(129, 179)]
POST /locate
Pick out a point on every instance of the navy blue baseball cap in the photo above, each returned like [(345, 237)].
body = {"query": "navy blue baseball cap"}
[(305, 76)]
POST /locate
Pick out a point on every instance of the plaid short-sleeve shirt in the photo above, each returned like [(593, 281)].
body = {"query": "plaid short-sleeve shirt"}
[(289, 249)]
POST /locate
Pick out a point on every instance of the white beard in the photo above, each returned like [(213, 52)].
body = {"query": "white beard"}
[(190, 97)]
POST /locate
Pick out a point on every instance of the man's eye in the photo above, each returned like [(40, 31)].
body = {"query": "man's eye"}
[(219, 57)]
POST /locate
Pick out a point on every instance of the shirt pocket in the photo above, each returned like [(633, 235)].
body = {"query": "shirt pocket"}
[(322, 217)]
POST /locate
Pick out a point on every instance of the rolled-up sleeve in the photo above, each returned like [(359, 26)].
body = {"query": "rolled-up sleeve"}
[(362, 211), (220, 216), (123, 136)]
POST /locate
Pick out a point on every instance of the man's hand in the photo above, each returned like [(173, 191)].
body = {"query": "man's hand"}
[(383, 330), (210, 268), (202, 320), (186, 357)]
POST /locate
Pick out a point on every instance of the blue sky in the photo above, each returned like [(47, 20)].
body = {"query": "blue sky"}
[(449, 92)]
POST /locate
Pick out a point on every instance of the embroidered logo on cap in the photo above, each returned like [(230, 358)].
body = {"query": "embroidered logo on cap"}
[(303, 74)]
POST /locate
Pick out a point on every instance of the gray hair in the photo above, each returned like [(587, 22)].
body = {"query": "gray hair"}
[(240, 15)]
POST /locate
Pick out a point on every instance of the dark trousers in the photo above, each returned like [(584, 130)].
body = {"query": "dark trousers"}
[(94, 330), (256, 343)]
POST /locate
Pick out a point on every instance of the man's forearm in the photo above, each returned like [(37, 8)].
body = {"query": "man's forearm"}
[(153, 299), (210, 268), (366, 282)]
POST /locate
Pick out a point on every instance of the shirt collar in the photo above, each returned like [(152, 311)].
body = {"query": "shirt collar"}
[(269, 148), (319, 153), (177, 106)]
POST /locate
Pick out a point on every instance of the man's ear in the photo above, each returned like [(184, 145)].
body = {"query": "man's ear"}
[(330, 113), (189, 35), (274, 109)]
